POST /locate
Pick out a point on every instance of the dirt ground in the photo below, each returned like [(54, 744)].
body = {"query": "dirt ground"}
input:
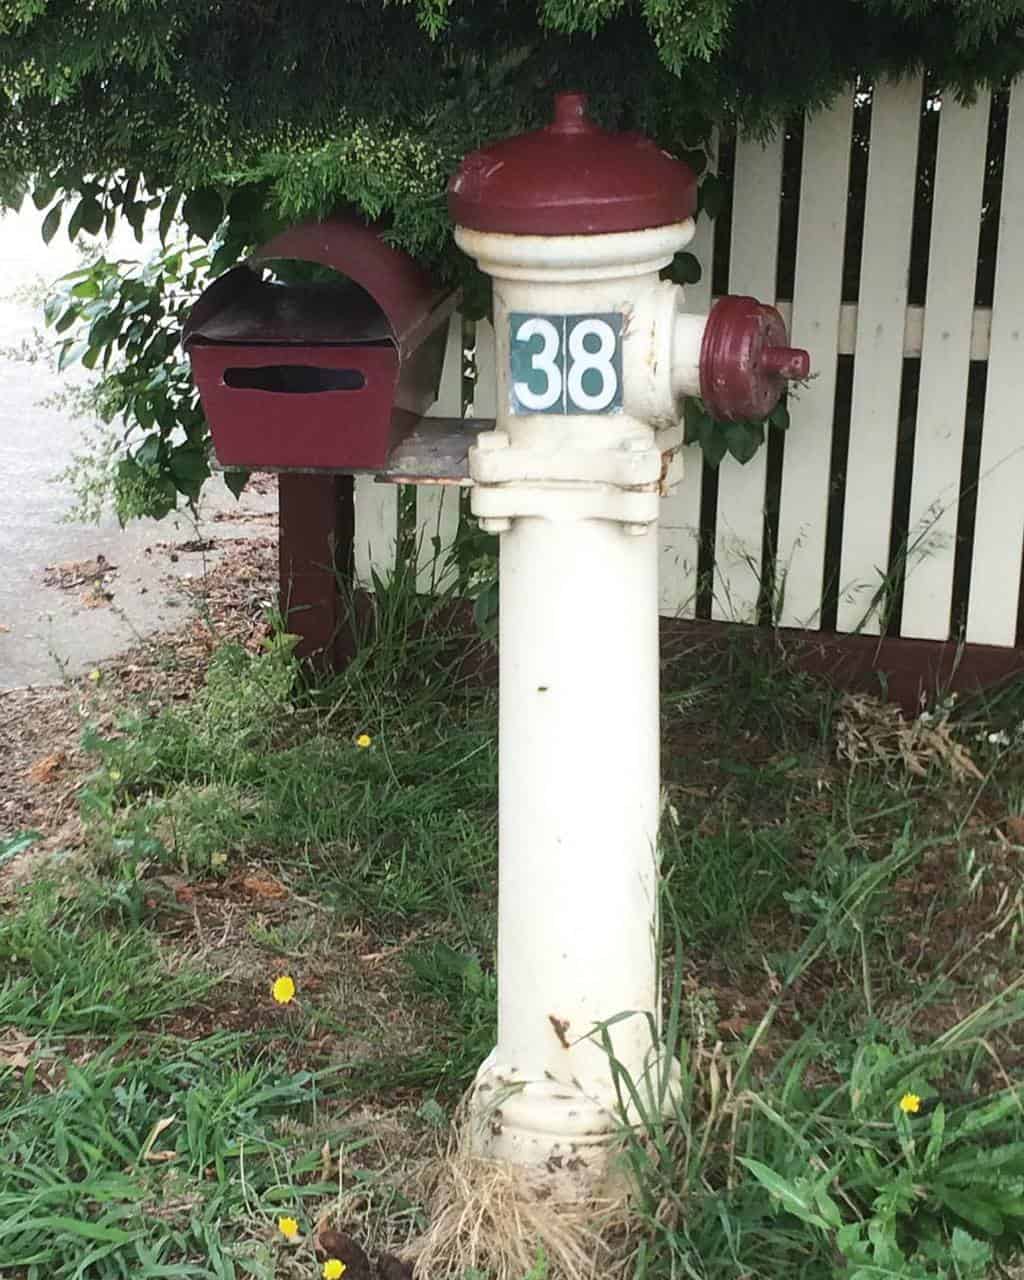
[(40, 727)]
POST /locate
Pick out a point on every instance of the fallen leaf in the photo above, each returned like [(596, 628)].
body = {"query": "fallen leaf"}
[(263, 887), (15, 1050), (147, 1152), (336, 1244), (77, 573), (391, 1268), (95, 598), (172, 882), (1015, 828), (45, 769)]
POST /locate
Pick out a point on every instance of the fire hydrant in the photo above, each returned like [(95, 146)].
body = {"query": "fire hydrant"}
[(594, 359)]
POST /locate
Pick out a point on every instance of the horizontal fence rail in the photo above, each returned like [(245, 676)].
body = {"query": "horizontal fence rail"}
[(895, 501)]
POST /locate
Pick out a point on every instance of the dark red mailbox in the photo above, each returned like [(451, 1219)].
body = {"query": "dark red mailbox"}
[(318, 377)]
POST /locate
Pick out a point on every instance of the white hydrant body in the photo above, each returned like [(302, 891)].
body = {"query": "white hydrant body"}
[(594, 359)]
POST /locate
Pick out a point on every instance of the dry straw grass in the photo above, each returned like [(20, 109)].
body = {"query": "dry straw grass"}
[(876, 733), (505, 1221)]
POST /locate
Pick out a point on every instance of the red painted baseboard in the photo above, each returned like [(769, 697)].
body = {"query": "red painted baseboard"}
[(910, 672)]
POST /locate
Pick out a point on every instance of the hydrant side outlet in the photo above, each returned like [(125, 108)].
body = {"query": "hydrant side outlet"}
[(745, 360)]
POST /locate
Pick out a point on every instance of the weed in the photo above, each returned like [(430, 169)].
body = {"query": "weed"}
[(154, 1160), (11, 846), (891, 1168), (471, 995), (749, 685), (62, 972), (400, 829), (720, 882)]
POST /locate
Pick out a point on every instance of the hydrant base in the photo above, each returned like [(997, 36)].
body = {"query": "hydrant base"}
[(571, 1134)]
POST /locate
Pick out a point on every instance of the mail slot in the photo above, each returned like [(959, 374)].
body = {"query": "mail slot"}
[(325, 376)]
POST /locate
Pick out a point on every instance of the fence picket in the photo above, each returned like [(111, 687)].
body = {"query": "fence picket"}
[(945, 356), (995, 572), (739, 525), (679, 527), (376, 534), (803, 504), (437, 505), (878, 361)]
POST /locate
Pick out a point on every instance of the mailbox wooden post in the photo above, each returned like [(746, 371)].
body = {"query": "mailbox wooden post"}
[(316, 532)]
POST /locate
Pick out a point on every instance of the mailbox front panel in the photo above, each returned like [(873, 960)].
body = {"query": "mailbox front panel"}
[(313, 408)]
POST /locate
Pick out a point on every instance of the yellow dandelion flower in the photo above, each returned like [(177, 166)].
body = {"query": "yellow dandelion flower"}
[(288, 1227), (910, 1102), (283, 990), (363, 740), (334, 1269)]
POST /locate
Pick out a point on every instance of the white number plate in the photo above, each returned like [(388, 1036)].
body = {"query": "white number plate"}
[(565, 364)]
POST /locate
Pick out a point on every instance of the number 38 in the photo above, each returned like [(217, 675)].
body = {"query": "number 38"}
[(566, 364)]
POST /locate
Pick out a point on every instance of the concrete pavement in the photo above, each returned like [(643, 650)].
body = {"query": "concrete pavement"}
[(47, 632)]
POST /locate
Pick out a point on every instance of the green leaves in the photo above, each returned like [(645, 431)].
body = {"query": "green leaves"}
[(189, 468), (712, 194), (87, 216), (684, 269), (741, 440), (134, 97), (203, 212), (236, 481), (805, 1198), (883, 1206), (125, 319), (51, 222), (11, 846)]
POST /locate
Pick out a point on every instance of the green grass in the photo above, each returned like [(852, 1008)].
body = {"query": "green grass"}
[(835, 937), (256, 766), (157, 1158), (720, 882), (68, 966)]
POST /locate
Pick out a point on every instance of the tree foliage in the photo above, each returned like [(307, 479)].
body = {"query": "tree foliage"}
[(293, 106), (238, 116)]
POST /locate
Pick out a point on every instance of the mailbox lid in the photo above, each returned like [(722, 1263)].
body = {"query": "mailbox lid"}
[(266, 313), (412, 301), (382, 294)]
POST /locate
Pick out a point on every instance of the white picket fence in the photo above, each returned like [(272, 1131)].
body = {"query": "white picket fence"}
[(884, 336)]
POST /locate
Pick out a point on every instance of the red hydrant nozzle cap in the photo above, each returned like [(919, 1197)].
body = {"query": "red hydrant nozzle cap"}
[(745, 360), (792, 363)]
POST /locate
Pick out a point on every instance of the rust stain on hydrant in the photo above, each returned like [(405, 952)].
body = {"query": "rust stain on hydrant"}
[(561, 1026)]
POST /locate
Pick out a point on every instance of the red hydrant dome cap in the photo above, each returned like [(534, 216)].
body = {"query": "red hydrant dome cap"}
[(571, 178)]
